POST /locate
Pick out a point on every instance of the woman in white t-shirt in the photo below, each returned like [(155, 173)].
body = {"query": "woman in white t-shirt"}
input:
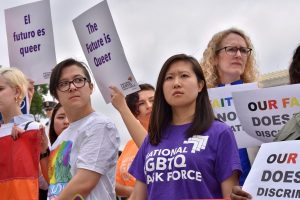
[(83, 158)]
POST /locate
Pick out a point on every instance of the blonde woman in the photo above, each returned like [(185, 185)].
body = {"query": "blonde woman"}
[(229, 60)]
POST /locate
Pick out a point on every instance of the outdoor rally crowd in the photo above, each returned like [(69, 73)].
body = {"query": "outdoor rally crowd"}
[(79, 149)]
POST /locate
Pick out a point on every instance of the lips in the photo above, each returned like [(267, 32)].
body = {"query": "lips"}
[(72, 97), (177, 93), (236, 63)]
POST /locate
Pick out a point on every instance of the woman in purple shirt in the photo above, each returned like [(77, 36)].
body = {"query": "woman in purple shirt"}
[(187, 154)]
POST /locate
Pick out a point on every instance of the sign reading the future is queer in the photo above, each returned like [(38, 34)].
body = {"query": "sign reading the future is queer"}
[(223, 106), (275, 172), (263, 112), (30, 40), (103, 50)]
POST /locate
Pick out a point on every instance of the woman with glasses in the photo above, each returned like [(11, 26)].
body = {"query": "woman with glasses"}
[(229, 60), (187, 153), (83, 158)]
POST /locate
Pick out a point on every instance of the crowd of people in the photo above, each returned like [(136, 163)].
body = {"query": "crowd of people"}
[(79, 149)]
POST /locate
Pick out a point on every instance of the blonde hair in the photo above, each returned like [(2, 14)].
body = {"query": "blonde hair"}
[(15, 79), (207, 62)]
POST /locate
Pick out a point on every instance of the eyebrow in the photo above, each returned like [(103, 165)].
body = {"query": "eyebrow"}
[(76, 76)]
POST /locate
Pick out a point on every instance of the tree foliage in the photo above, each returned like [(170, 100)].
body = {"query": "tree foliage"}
[(36, 107)]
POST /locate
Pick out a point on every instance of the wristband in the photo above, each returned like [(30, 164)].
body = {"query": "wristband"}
[(46, 154)]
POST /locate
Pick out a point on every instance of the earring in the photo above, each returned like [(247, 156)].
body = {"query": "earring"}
[(16, 99)]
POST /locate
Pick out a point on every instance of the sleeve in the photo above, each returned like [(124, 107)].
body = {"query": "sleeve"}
[(227, 158), (137, 167), (99, 149)]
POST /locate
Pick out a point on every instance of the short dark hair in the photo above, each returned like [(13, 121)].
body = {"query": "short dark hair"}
[(294, 69), (52, 134), (132, 99), (162, 113), (56, 73)]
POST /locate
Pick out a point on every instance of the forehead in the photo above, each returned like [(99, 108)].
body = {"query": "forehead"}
[(179, 67), (144, 94), (70, 72), (60, 111), (3, 80), (234, 40)]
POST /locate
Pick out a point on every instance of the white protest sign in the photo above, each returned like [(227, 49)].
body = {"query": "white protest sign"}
[(275, 173), (103, 50), (263, 112), (223, 106), (30, 40)]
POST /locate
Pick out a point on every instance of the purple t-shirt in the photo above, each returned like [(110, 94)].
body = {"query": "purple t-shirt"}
[(186, 168)]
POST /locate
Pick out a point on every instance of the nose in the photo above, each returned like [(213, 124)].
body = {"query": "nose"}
[(72, 86), (238, 53), (148, 104), (176, 82), (66, 121)]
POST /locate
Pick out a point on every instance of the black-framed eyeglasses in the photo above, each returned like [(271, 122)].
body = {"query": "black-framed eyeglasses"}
[(77, 82), (232, 51)]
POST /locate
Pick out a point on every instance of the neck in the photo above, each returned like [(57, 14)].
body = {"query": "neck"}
[(183, 115), (9, 114), (229, 79), (77, 114)]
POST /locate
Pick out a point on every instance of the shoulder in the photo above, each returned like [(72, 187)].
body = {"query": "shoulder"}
[(93, 122), (219, 127), (30, 125)]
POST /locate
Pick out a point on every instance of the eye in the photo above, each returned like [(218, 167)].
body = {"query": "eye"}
[(168, 78), (63, 84), (78, 80), (141, 103), (232, 49), (244, 50), (185, 75)]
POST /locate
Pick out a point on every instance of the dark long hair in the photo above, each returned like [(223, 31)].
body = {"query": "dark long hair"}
[(162, 112), (133, 99), (294, 70), (52, 134)]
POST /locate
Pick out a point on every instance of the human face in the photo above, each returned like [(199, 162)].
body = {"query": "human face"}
[(181, 86), (61, 121), (74, 98), (146, 98), (231, 67), (8, 95)]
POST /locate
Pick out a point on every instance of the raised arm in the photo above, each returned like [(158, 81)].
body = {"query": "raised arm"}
[(134, 127)]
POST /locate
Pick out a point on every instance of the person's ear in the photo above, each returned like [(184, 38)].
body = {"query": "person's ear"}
[(91, 85), (200, 85)]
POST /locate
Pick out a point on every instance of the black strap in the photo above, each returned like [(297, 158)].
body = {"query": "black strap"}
[(26, 125)]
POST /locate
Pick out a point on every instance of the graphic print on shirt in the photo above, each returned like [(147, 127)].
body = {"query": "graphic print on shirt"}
[(165, 165), (198, 141), (59, 169)]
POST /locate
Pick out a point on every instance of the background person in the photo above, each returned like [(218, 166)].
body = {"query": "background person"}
[(58, 122), (140, 105), (229, 60), (13, 87)]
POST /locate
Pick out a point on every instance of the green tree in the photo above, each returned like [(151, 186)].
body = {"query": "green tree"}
[(36, 107)]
